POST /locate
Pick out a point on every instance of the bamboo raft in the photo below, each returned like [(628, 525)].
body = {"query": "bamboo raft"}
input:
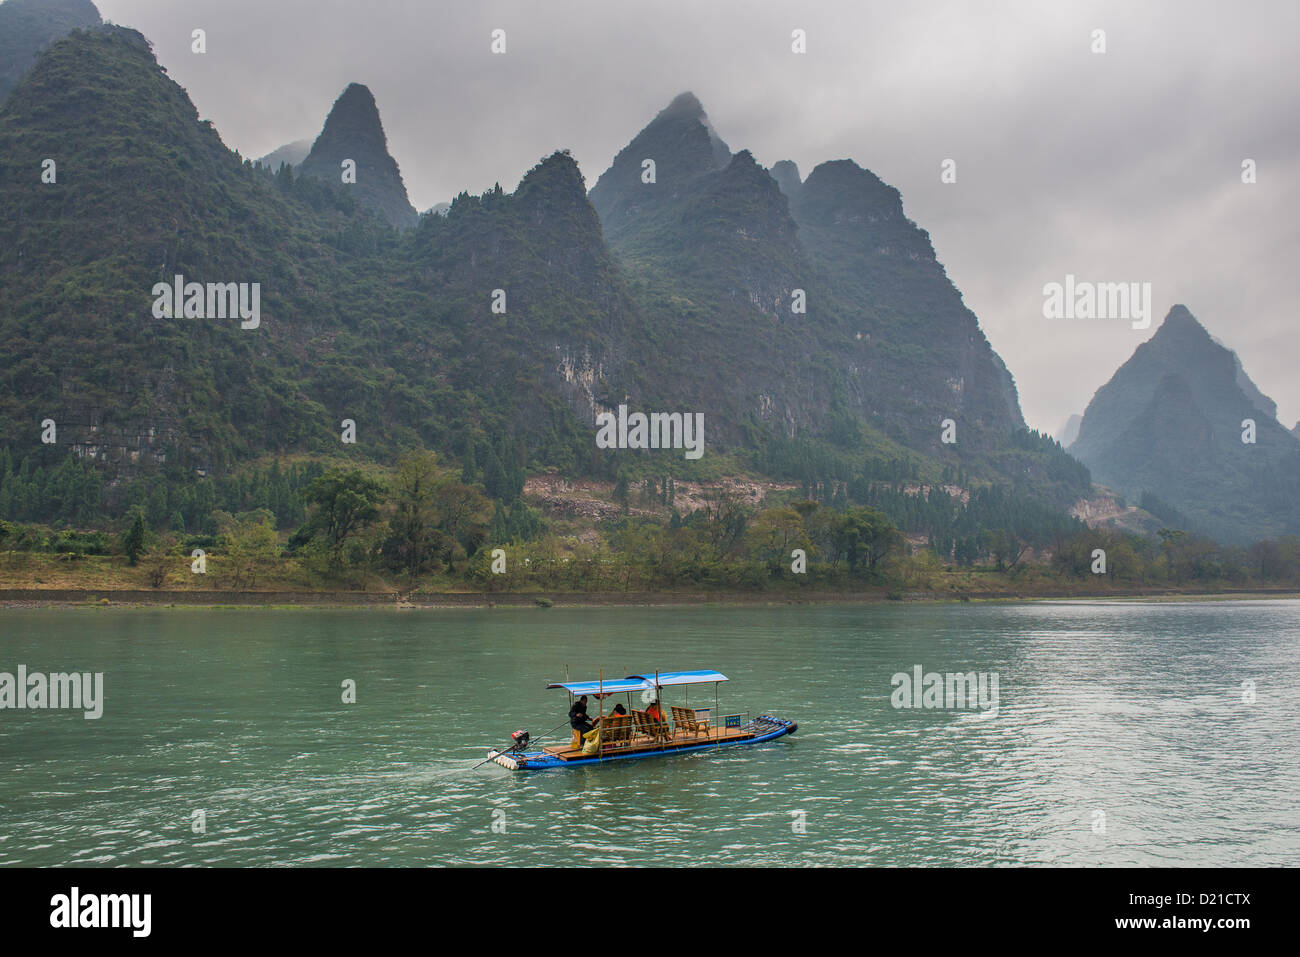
[(640, 734)]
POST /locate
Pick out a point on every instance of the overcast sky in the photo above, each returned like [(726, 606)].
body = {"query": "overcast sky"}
[(1122, 166)]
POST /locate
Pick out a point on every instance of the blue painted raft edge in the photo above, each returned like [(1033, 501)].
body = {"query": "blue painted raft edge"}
[(548, 763)]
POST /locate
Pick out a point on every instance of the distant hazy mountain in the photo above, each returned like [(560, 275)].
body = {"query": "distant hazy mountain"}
[(353, 131), (786, 174), (1169, 424), (292, 153), (1068, 432), (29, 26)]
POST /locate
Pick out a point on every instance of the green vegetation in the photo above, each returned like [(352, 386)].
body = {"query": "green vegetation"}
[(182, 435), (28, 26), (418, 528)]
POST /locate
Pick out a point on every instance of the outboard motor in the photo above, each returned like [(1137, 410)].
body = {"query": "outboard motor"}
[(520, 739)]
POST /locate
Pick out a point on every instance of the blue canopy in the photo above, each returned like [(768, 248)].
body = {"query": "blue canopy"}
[(610, 685), (639, 682)]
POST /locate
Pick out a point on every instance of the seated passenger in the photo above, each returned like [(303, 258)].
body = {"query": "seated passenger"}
[(618, 709)]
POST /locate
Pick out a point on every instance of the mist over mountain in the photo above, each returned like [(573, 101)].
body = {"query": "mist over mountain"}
[(1069, 430), (807, 318), (880, 351), (675, 295), (1174, 423), (292, 153), (353, 131), (29, 26), (398, 336)]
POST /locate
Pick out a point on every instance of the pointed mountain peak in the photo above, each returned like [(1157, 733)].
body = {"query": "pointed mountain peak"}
[(356, 99), (841, 190), (744, 160), (846, 174), (786, 174), (678, 147), (1183, 340), (684, 117), (1169, 422), (685, 104), (553, 198), (559, 167), (354, 131), (555, 181), (1180, 323), (353, 120)]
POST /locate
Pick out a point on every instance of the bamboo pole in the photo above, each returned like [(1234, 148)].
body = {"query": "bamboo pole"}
[(659, 706)]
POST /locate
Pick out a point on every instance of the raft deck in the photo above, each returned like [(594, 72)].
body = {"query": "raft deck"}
[(677, 739)]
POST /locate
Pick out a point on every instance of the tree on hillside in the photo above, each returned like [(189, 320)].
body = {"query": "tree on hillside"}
[(248, 545), (866, 535), (133, 541), (415, 541), (462, 513), (775, 533), (341, 503)]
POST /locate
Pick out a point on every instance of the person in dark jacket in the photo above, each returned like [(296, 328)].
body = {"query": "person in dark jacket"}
[(578, 719)]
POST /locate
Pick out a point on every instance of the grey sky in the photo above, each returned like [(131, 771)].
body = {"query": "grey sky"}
[(1116, 167)]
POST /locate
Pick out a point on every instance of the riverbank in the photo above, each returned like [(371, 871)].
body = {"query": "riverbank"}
[(71, 597)]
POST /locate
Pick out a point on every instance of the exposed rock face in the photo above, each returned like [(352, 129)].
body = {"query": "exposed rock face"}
[(885, 339), (28, 26), (565, 334), (687, 306), (1172, 423), (927, 350), (354, 131)]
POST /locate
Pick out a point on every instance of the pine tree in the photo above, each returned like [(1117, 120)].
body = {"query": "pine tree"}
[(133, 543), (469, 468), (500, 531)]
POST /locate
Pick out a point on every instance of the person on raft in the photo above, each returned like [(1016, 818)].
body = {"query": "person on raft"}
[(578, 719)]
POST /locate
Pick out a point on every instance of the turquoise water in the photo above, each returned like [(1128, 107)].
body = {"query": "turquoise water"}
[(1122, 736)]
